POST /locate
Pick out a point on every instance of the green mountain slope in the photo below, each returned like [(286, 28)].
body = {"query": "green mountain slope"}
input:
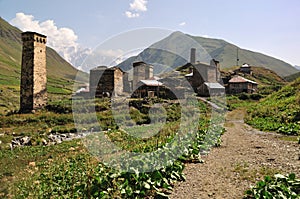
[(279, 111), (60, 73), (174, 51), (292, 77)]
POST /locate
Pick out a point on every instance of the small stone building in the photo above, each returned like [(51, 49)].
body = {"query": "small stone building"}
[(211, 89), (105, 82), (141, 71), (33, 90), (239, 84), (205, 79), (201, 73), (148, 88), (245, 68)]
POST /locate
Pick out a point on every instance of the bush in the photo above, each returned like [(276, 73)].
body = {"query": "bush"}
[(278, 186), (256, 96), (243, 96)]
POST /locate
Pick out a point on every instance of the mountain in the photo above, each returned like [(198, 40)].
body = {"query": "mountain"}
[(60, 73), (297, 67), (292, 77), (174, 51)]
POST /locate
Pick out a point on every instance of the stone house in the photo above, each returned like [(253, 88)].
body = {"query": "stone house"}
[(202, 76), (239, 84), (141, 71), (245, 68), (148, 88), (105, 82), (211, 89)]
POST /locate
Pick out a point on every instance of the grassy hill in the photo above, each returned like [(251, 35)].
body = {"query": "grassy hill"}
[(60, 73), (292, 77), (279, 111), (166, 53), (268, 81), (226, 53)]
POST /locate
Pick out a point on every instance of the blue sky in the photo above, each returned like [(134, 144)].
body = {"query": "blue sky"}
[(268, 26)]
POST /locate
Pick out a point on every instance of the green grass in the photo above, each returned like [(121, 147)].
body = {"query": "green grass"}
[(289, 138), (67, 169), (253, 175), (275, 186), (15, 164), (278, 112)]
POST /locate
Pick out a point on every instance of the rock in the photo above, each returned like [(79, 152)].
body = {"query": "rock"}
[(71, 149), (25, 141), (32, 164), (45, 143)]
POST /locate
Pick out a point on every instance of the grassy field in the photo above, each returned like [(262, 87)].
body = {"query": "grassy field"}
[(68, 170), (279, 111)]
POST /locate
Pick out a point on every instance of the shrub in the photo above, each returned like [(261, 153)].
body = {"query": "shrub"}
[(279, 186)]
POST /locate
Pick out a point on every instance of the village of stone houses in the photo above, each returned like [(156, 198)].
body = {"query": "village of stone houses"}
[(225, 128)]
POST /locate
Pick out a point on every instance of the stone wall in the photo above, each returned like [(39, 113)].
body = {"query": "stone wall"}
[(106, 81), (118, 81)]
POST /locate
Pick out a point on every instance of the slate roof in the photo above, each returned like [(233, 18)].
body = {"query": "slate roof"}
[(151, 82), (214, 85), (239, 79)]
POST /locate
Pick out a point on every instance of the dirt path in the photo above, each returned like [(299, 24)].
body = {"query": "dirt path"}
[(244, 157)]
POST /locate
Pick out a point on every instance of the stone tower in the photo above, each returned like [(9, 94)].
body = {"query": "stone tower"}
[(141, 71), (33, 91), (193, 56)]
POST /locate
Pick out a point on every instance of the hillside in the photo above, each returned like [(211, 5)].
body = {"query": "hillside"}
[(60, 73), (166, 53), (279, 111), (292, 77)]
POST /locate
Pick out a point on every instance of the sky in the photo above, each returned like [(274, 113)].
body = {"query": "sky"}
[(271, 27)]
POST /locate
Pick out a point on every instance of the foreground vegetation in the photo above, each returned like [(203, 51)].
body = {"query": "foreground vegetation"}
[(67, 170), (277, 186), (278, 112)]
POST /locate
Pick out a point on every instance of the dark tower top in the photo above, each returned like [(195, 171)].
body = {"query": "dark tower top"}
[(193, 56)]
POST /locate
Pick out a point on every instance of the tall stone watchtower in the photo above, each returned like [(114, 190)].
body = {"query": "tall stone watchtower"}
[(33, 91)]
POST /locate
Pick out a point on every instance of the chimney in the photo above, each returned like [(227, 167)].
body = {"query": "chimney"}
[(193, 55)]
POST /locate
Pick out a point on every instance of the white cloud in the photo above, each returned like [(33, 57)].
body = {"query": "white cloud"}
[(63, 40), (113, 53), (137, 6), (131, 15), (182, 24)]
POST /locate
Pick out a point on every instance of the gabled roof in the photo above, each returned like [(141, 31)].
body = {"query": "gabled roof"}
[(214, 85), (151, 82), (245, 66), (107, 68), (239, 79)]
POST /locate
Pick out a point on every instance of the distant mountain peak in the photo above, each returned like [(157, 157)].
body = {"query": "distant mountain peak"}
[(174, 51), (297, 67)]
